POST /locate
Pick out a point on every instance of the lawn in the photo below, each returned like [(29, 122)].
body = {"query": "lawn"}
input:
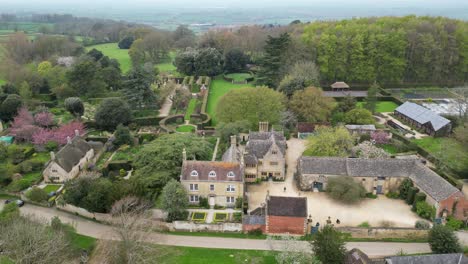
[(190, 255), (190, 108), (218, 88), (126, 153), (382, 106), (114, 52), (51, 188), (167, 65), (389, 148), (185, 128), (239, 77), (448, 150)]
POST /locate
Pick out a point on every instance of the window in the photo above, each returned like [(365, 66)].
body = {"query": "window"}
[(211, 187), (212, 174), (194, 198), (274, 152), (230, 199), (259, 162), (231, 188), (251, 176), (273, 163), (264, 174), (194, 173), (231, 174), (54, 170), (194, 186), (363, 179), (250, 165), (277, 173)]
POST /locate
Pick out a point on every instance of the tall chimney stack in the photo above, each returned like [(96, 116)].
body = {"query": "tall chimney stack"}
[(52, 155), (77, 133), (69, 141), (184, 155), (263, 127), (234, 140)]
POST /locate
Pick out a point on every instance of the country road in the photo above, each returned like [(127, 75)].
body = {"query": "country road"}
[(102, 231)]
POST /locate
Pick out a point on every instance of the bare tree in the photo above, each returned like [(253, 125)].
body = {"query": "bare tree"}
[(26, 241), (292, 251), (130, 217), (461, 101)]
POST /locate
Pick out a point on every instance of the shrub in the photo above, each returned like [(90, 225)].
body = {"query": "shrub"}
[(51, 146), (37, 195), (239, 202), (419, 197), (203, 202), (425, 210), (404, 188), (122, 136), (411, 194), (443, 240), (393, 195), (237, 217), (420, 224), (364, 225), (25, 166), (177, 215), (198, 216), (255, 232), (454, 223), (220, 217), (371, 196), (345, 189)]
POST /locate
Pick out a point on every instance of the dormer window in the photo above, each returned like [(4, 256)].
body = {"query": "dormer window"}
[(231, 174), (194, 173), (212, 174)]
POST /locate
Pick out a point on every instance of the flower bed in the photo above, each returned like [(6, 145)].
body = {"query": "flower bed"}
[(199, 217), (220, 217)]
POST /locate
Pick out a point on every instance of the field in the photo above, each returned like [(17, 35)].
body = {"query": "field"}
[(449, 150), (167, 66), (112, 50), (185, 128), (239, 77), (382, 106), (218, 88)]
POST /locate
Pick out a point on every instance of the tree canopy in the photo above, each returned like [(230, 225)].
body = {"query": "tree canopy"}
[(270, 64), (443, 240), (329, 141), (311, 106), (251, 104), (328, 245), (112, 112), (359, 116), (345, 189)]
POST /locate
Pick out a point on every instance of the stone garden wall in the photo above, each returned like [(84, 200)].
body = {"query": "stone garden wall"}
[(220, 227), (380, 233)]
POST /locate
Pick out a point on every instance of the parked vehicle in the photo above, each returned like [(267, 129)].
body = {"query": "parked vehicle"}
[(18, 202)]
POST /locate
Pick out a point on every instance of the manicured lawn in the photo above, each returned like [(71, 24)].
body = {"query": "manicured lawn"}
[(51, 188), (112, 50), (189, 255), (185, 128), (449, 150), (239, 77), (218, 88), (2, 82), (389, 148), (126, 153), (190, 108), (167, 65), (382, 106)]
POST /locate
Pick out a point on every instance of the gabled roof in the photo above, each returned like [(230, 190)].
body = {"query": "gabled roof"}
[(232, 154), (429, 181), (422, 115), (203, 169), (456, 258), (260, 143), (339, 85), (71, 154), (287, 206)]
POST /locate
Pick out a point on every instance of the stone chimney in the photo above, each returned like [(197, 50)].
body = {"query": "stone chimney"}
[(69, 141), (184, 155), (234, 140), (77, 133), (52, 155), (263, 127)]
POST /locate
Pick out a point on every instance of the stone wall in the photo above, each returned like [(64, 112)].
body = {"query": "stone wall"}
[(380, 233), (221, 227)]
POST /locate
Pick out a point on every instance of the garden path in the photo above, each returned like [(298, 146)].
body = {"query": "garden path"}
[(417, 134), (167, 105)]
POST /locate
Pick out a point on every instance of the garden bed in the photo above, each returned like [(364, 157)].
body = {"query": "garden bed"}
[(199, 217), (220, 217), (126, 153), (190, 108)]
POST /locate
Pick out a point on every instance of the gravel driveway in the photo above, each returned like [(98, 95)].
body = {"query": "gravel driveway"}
[(320, 207)]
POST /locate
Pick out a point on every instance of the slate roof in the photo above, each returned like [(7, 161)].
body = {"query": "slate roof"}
[(339, 85), (253, 220), (287, 206), (360, 127), (356, 256), (422, 115), (71, 154), (232, 154), (345, 93), (456, 258), (429, 181), (260, 143), (203, 168)]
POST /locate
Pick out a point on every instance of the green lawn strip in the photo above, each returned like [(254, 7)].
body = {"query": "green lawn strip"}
[(399, 240), (82, 242), (190, 108), (448, 150), (185, 128), (51, 188), (167, 65), (191, 255), (238, 77), (389, 148), (382, 106), (114, 52), (218, 88)]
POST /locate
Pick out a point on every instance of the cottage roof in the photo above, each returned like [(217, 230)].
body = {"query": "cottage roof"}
[(253, 220), (71, 154), (356, 256), (360, 127), (232, 154), (203, 169), (422, 115), (429, 181), (456, 258), (287, 206), (260, 143), (339, 85)]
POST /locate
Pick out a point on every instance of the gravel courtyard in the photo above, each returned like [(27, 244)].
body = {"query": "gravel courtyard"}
[(320, 207)]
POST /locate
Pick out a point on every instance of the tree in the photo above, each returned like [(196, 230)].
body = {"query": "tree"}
[(37, 195), (367, 150), (208, 62), (126, 42), (112, 112), (288, 120), (25, 91), (359, 116), (23, 127), (443, 240), (300, 76), (404, 188), (44, 68), (328, 245), (95, 54), (225, 130), (289, 252), (137, 89), (347, 104), (9, 107), (345, 189), (156, 45), (275, 49), (84, 76), (44, 119), (137, 52), (183, 37), (371, 99), (235, 60), (185, 61), (75, 106), (151, 177), (122, 136), (175, 200), (252, 104), (330, 142), (311, 106)]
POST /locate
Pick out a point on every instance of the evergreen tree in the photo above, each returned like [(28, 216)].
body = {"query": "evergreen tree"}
[(371, 99), (137, 89), (328, 246), (275, 48)]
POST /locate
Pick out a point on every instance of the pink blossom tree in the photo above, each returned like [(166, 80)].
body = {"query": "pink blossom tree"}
[(42, 136), (23, 126), (44, 119), (68, 130), (380, 137)]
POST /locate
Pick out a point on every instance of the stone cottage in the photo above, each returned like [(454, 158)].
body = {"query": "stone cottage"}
[(380, 176), (265, 155), (72, 158)]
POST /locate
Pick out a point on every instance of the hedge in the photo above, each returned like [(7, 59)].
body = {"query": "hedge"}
[(101, 139), (411, 194), (147, 120), (419, 197), (119, 164)]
